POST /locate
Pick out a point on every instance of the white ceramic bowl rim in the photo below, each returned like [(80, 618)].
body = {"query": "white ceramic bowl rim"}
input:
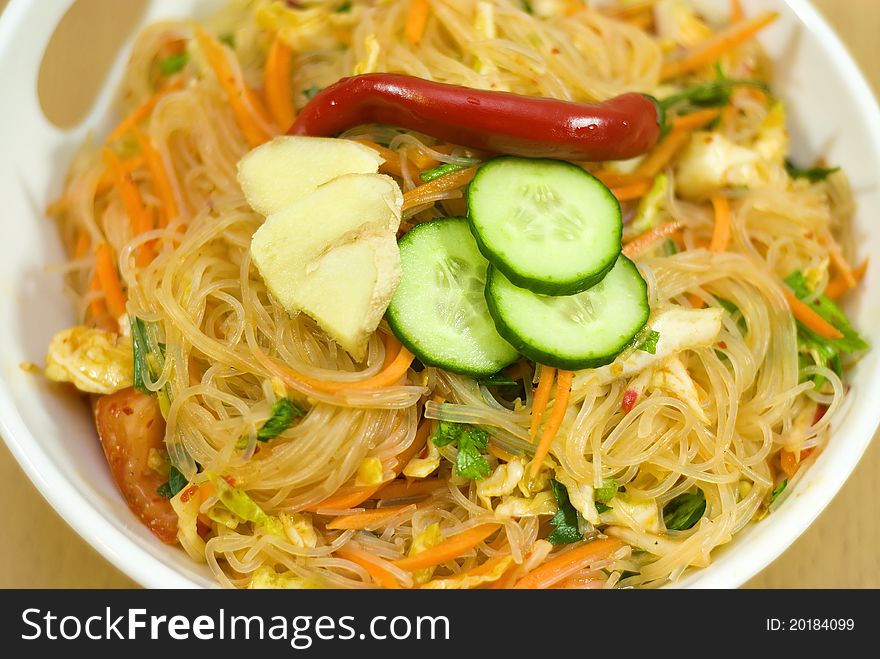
[(765, 541)]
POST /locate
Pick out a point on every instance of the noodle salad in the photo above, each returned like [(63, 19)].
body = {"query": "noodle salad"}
[(455, 293)]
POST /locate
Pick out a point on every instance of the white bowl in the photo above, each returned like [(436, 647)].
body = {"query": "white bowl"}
[(832, 113)]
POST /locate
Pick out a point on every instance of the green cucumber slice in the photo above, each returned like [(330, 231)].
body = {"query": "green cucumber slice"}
[(585, 330), (439, 309), (547, 225)]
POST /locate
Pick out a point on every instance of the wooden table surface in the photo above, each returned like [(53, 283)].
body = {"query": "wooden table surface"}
[(839, 550)]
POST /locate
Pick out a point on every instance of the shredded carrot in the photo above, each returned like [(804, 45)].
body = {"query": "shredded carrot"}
[(276, 83), (695, 120), (146, 252), (393, 160), (696, 301), (83, 241), (554, 423), (810, 319), (417, 196), (160, 176), (143, 111), (662, 154), (105, 267), (839, 286), (840, 263), (401, 489), (355, 495), (392, 349), (369, 519), (450, 549), (379, 574), (566, 564), (789, 461), (639, 244), (542, 395), (717, 45), (97, 306), (126, 188), (250, 114), (721, 232), (613, 179), (632, 191), (736, 11), (105, 183), (416, 20)]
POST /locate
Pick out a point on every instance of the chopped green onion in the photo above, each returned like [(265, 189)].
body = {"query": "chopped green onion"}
[(174, 64), (447, 168)]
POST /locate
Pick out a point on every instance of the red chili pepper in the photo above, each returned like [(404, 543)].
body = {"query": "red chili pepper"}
[(618, 129), (629, 400)]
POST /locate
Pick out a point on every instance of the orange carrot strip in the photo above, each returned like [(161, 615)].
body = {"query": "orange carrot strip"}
[(840, 263), (105, 267), (789, 461), (810, 319), (717, 45), (160, 175), (416, 19), (695, 120), (736, 11), (632, 191), (696, 301), (126, 188), (838, 286), (392, 349), (236, 92), (276, 82), (355, 495), (368, 519), (83, 241), (400, 489), (449, 549), (721, 232), (97, 306), (662, 154), (542, 395), (416, 196), (565, 565), (393, 160), (143, 111), (640, 243), (379, 574), (146, 252), (554, 423)]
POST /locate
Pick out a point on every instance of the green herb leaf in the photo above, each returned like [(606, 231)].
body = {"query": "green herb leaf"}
[(175, 483), (603, 508), (284, 413), (443, 170), (140, 348), (174, 64), (684, 511), (607, 492), (566, 519), (497, 380), (470, 461), (779, 489), (311, 92), (713, 94), (812, 174), (815, 349), (228, 39), (649, 343)]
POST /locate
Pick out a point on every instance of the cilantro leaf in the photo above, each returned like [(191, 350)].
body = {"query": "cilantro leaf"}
[(471, 442), (566, 519), (649, 343), (175, 483), (812, 174), (607, 492), (684, 511), (284, 413), (779, 489), (815, 349), (174, 64), (603, 508)]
